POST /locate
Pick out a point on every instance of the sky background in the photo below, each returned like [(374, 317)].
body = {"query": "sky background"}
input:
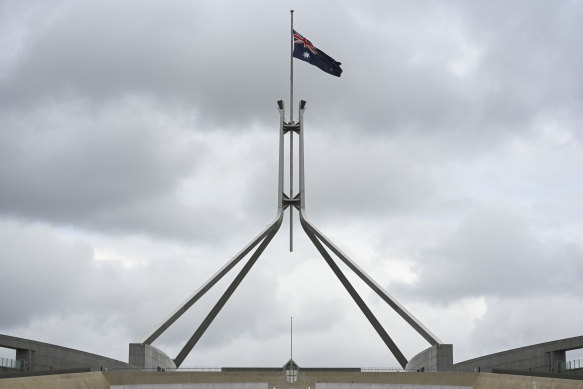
[(138, 154)]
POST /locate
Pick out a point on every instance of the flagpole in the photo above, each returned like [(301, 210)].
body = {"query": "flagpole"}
[(291, 66), (291, 133)]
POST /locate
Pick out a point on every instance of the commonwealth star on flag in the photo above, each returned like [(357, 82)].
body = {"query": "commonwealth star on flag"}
[(306, 51)]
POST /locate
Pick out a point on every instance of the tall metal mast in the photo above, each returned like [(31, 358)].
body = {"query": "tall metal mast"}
[(319, 240), (291, 134)]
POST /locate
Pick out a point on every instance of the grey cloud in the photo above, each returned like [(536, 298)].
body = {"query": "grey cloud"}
[(350, 175), (99, 50), (408, 86), (138, 119), (528, 323), (85, 166), (103, 50), (495, 253), (34, 266), (68, 286)]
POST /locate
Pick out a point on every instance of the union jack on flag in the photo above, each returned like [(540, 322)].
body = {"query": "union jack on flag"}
[(306, 51), (298, 39)]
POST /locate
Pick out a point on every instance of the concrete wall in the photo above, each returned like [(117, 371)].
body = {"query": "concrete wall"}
[(325, 385), (222, 385), (542, 357), (92, 380), (188, 380), (39, 356), (506, 381), (145, 356), (435, 358), (311, 379)]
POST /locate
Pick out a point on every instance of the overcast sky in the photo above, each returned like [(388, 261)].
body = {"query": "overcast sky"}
[(138, 154)]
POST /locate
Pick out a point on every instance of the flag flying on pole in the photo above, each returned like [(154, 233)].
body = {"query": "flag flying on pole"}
[(305, 50)]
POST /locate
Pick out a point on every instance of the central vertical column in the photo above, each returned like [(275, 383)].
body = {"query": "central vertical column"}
[(280, 194), (291, 136), (291, 188), (301, 156)]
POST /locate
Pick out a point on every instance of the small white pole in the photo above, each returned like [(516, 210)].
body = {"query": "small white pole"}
[(291, 338)]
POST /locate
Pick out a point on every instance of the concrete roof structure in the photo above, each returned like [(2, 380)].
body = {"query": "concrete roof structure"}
[(266, 380), (532, 366)]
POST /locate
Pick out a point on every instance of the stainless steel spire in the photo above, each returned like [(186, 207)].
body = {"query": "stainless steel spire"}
[(320, 241)]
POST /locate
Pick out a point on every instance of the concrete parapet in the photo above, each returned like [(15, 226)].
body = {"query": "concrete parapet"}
[(325, 385), (542, 357), (507, 381), (223, 385), (90, 380), (436, 358), (197, 380), (39, 356), (145, 356), (313, 379)]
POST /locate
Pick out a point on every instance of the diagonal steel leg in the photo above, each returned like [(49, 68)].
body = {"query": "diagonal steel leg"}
[(406, 315), (209, 284), (267, 233), (392, 302), (225, 297), (356, 297)]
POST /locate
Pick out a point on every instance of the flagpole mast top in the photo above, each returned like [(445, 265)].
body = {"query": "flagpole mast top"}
[(291, 68)]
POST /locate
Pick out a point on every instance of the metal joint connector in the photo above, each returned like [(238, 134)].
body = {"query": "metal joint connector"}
[(295, 127), (294, 202)]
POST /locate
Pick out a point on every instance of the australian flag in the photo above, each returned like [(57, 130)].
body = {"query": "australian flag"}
[(305, 50)]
